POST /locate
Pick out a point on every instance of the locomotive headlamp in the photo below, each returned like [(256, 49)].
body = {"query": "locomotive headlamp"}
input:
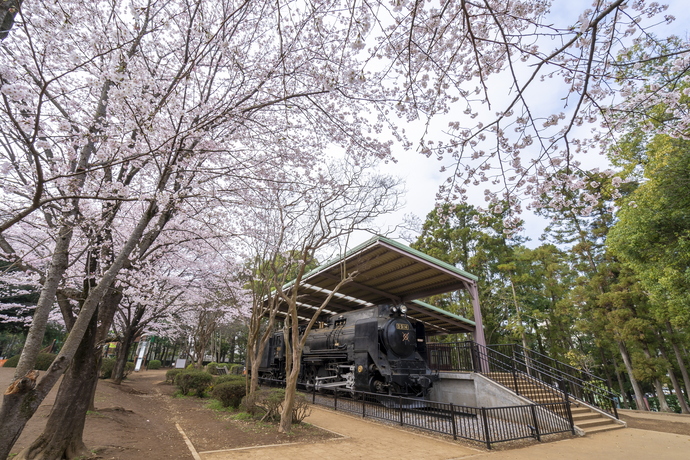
[(394, 310), (403, 309)]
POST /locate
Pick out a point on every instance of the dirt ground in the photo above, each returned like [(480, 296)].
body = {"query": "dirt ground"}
[(651, 421), (141, 419)]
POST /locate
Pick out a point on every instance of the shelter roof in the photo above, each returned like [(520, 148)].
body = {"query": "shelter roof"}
[(387, 272)]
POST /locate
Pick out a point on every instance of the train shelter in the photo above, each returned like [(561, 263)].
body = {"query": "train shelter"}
[(390, 272)]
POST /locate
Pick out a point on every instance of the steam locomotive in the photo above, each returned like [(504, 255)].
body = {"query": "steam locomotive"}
[(376, 349)]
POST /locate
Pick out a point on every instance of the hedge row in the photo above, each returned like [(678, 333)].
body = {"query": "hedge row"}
[(43, 361)]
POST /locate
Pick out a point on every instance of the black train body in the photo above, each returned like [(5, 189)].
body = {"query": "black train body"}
[(376, 349)]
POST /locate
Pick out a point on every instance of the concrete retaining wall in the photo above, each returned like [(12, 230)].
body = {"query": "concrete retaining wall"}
[(475, 390)]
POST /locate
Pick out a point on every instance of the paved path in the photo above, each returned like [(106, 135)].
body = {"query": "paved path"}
[(362, 439), (366, 439)]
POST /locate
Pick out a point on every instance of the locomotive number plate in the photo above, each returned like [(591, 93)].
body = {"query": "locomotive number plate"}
[(402, 326)]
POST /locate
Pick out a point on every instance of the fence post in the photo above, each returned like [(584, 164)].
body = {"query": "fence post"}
[(313, 395), (452, 421), (515, 380), (401, 409), (364, 410), (614, 400), (536, 422), (335, 403), (474, 352), (570, 413), (486, 428)]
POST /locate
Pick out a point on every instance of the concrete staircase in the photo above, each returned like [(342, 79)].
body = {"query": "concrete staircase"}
[(584, 418), (591, 421)]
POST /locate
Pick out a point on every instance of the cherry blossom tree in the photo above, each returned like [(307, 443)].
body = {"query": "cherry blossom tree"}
[(152, 296), (119, 114), (120, 123), (296, 223)]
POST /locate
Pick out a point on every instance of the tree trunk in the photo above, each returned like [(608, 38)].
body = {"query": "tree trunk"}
[(118, 374), (624, 396), (34, 339), (674, 381), (231, 349), (679, 391), (290, 391), (172, 356), (24, 396), (639, 396), (679, 357), (255, 351), (62, 436), (658, 387)]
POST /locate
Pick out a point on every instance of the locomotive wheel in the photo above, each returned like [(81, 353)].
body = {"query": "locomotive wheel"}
[(309, 378), (376, 385)]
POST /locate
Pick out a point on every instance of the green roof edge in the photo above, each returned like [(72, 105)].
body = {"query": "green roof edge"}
[(429, 258), (442, 311)]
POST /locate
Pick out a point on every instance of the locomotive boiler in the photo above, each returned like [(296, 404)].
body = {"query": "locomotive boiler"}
[(376, 349)]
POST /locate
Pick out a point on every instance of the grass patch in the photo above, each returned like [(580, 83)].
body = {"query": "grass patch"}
[(242, 416), (216, 405)]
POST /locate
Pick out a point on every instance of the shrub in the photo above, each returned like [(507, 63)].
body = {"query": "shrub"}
[(229, 378), (195, 380), (270, 402), (229, 394), (43, 361), (154, 364), (301, 409), (266, 401), (107, 366), (129, 368), (171, 374), (671, 400), (236, 369), (212, 368)]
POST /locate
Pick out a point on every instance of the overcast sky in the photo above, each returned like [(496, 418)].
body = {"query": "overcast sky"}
[(422, 177)]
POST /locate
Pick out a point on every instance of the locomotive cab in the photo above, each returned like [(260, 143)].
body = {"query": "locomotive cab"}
[(388, 354)]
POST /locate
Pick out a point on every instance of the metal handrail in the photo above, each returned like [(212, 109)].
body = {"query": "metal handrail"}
[(521, 378), (558, 365), (582, 382), (485, 359)]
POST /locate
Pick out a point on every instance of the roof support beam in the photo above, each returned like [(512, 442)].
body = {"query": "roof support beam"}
[(429, 292), (394, 298)]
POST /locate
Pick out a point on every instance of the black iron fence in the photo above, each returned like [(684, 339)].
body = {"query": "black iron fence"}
[(487, 425), (527, 372)]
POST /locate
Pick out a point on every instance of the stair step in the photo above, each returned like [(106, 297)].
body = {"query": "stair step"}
[(585, 416), (600, 428), (597, 422), (581, 409)]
